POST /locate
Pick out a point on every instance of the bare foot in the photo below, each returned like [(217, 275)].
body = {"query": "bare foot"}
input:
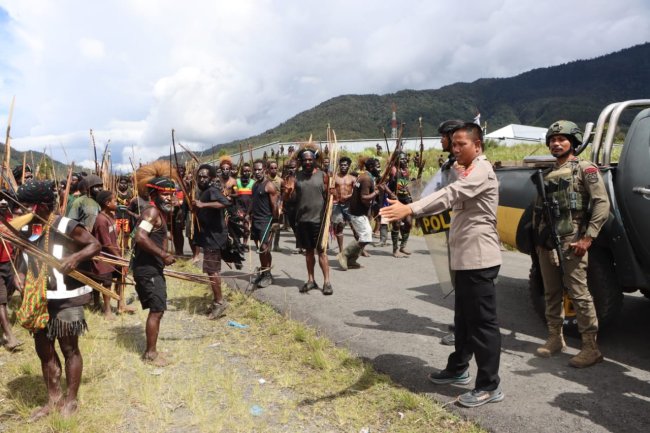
[(155, 359), (69, 408), (41, 412), (12, 345), (123, 309), (398, 255), (109, 316)]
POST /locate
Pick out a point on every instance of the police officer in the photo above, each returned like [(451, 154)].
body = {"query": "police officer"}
[(475, 258), (580, 204)]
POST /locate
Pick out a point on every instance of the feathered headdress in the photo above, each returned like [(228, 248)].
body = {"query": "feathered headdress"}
[(147, 173)]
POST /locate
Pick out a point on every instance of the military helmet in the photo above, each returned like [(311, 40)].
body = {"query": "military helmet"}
[(450, 126), (93, 180), (566, 128)]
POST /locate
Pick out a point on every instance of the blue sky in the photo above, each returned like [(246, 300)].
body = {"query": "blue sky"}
[(217, 70)]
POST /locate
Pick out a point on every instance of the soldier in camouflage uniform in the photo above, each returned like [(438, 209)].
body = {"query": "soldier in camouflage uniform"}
[(581, 208)]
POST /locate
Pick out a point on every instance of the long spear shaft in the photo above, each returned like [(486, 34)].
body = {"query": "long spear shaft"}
[(22, 177), (48, 259), (187, 197), (92, 139), (6, 164), (421, 158), (383, 131), (189, 152), (64, 205)]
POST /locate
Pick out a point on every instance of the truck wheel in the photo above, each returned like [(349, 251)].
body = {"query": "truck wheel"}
[(603, 286)]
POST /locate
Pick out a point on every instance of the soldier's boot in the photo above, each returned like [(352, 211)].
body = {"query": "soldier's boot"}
[(405, 239), (554, 343), (589, 353)]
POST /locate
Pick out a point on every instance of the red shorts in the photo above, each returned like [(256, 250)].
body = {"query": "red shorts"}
[(123, 225)]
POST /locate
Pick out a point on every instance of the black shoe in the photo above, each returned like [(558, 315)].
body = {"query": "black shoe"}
[(444, 377), (449, 340), (327, 289)]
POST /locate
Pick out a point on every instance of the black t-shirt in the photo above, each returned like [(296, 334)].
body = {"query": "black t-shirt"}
[(213, 233), (364, 185), (261, 206), (310, 196)]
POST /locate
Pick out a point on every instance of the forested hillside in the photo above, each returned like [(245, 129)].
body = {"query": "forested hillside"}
[(577, 90)]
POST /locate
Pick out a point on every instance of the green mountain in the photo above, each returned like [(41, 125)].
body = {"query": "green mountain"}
[(577, 91), (36, 159)]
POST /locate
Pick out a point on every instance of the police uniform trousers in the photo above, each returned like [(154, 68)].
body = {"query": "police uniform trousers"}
[(575, 280), (477, 330)]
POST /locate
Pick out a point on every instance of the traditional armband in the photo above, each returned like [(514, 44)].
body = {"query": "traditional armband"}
[(146, 226)]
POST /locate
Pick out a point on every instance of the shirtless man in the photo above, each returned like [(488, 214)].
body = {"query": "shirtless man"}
[(228, 182), (288, 202), (398, 189), (273, 176), (344, 183)]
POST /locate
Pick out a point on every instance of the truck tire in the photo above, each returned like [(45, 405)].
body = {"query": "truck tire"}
[(536, 289), (603, 286)]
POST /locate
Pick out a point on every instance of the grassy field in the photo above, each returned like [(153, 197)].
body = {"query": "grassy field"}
[(275, 375)]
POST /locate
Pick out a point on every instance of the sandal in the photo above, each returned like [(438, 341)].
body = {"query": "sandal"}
[(13, 347), (309, 285), (327, 289)]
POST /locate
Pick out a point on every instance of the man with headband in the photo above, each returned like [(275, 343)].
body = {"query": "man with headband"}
[(310, 189), (64, 319), (150, 259)]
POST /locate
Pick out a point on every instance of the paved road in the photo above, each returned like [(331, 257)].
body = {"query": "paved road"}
[(393, 314)]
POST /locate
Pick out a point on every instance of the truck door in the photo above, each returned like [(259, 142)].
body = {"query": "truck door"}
[(632, 186)]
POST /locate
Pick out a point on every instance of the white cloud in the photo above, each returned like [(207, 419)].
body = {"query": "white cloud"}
[(92, 49), (216, 70)]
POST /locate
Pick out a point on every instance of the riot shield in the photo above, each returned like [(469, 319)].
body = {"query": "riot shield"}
[(435, 229)]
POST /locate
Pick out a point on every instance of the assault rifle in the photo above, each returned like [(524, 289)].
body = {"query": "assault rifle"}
[(552, 213)]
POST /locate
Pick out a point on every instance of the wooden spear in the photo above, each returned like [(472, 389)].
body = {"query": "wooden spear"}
[(92, 139), (64, 205), (14, 236), (6, 165)]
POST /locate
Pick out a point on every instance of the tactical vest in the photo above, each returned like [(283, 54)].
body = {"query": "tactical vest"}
[(569, 202)]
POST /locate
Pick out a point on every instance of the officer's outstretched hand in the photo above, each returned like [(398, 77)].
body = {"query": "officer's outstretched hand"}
[(396, 211), (581, 246)]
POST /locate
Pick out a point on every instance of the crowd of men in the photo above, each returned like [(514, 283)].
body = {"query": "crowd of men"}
[(255, 201)]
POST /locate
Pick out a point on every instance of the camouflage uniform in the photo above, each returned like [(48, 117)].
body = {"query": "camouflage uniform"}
[(583, 208), (579, 208)]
